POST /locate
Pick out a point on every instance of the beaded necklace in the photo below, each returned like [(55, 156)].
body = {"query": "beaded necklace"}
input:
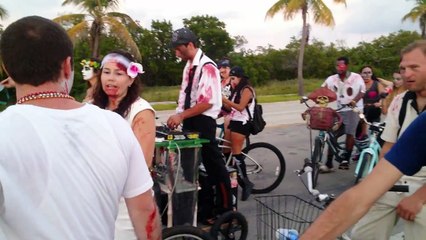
[(43, 95)]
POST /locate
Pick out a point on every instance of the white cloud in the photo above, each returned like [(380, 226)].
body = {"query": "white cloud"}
[(362, 20)]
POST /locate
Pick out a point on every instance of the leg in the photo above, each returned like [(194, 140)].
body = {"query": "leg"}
[(212, 159), (379, 221), (227, 136), (351, 120), (237, 143)]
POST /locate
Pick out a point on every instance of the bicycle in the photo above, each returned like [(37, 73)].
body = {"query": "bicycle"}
[(328, 137), (264, 162), (369, 156)]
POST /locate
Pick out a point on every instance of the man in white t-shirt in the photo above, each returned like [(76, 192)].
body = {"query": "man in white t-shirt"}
[(350, 89), (64, 165)]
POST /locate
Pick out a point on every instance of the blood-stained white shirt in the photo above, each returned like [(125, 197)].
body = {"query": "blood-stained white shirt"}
[(205, 89), (346, 90)]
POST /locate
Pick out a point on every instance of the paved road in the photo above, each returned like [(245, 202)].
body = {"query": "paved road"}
[(275, 114), (287, 131)]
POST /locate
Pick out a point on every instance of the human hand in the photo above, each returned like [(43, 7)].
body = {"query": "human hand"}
[(174, 121), (408, 207), (377, 104)]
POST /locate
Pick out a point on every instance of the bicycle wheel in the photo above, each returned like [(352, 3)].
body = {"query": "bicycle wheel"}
[(185, 232), (316, 159), (231, 225), (362, 171), (265, 166)]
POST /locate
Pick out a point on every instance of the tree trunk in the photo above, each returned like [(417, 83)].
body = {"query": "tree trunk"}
[(95, 34), (301, 90)]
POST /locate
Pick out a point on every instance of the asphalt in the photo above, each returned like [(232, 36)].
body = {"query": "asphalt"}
[(287, 131)]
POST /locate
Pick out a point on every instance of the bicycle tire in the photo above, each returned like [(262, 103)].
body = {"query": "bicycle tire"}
[(272, 166), (230, 225), (185, 232), (366, 159), (316, 159)]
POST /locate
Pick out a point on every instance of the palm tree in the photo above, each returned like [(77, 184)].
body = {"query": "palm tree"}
[(97, 21), (418, 12), (3, 12), (321, 15)]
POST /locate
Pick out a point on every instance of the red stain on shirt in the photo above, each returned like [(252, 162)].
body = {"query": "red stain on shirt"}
[(207, 97)]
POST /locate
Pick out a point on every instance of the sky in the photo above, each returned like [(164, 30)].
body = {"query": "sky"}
[(360, 20)]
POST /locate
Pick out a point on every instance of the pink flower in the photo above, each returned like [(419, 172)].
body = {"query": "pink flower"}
[(134, 69)]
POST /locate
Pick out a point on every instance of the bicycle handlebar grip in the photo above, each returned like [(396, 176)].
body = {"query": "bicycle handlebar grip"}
[(399, 188)]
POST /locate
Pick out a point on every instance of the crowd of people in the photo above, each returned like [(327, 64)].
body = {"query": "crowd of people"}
[(82, 170)]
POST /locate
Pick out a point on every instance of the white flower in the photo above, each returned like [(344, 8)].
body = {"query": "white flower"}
[(134, 68)]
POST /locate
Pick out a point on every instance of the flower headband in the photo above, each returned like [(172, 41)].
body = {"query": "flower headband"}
[(133, 68), (90, 63)]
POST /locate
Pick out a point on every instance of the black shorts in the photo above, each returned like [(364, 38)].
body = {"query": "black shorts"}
[(238, 127)]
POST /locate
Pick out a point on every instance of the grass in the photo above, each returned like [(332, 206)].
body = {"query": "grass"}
[(274, 91)]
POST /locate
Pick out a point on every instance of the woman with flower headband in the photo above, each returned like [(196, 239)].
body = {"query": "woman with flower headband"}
[(90, 72), (118, 90)]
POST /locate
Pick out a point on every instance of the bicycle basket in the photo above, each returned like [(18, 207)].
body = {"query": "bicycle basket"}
[(283, 211), (321, 118)]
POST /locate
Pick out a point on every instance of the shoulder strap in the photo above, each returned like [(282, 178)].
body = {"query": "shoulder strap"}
[(255, 101), (201, 70), (403, 110)]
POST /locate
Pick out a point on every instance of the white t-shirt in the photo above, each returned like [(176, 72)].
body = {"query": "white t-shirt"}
[(346, 90), (242, 116), (390, 134), (62, 172)]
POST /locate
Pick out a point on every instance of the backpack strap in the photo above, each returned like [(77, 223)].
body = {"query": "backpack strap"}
[(255, 101), (402, 112)]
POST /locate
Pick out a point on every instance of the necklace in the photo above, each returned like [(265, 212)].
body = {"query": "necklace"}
[(43, 95)]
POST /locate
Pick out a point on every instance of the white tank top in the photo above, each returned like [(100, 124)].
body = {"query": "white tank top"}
[(243, 115)]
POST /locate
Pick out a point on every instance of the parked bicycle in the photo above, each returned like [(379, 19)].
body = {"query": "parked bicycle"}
[(369, 156)]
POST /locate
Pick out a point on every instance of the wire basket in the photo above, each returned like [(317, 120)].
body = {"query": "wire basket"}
[(283, 211)]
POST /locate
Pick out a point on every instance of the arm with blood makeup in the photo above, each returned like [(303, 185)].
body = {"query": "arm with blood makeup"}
[(144, 215)]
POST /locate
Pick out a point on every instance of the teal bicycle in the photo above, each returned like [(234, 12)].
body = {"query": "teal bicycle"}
[(369, 156)]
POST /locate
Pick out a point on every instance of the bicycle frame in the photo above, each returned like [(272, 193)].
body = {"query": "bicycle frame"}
[(228, 162), (373, 149)]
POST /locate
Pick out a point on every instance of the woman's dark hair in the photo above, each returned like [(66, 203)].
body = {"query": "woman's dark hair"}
[(244, 82), (373, 77), (100, 98)]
